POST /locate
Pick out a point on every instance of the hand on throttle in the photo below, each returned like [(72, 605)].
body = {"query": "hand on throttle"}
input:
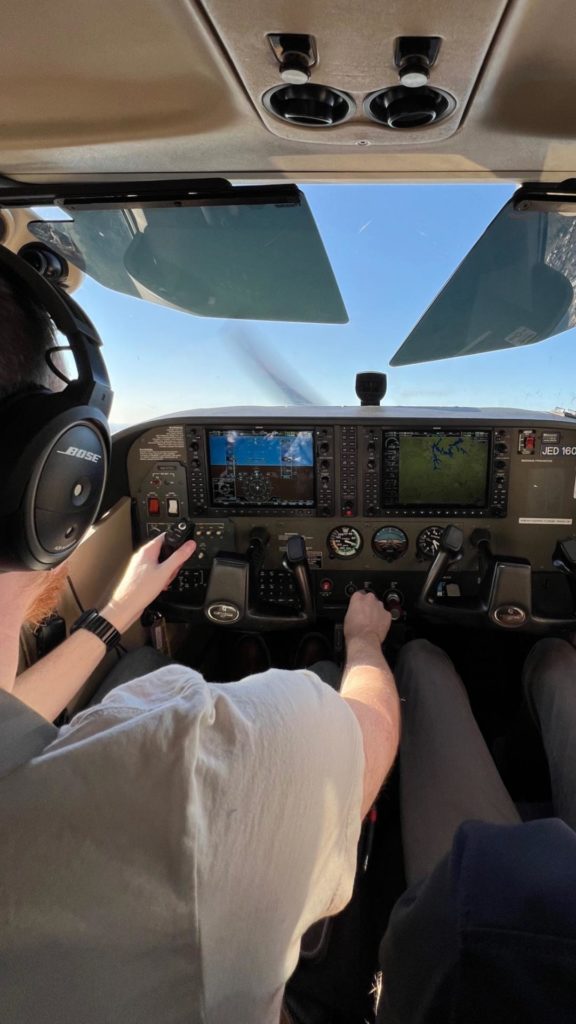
[(143, 580), (366, 619)]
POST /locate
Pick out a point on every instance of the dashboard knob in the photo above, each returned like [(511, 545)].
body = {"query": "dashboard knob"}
[(393, 603)]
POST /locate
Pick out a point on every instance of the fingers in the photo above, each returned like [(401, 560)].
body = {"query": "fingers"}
[(155, 543), (178, 557), (364, 595), (151, 552)]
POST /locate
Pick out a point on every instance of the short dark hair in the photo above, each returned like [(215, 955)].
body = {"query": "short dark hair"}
[(26, 335)]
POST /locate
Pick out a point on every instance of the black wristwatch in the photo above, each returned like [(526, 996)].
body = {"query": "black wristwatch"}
[(95, 623)]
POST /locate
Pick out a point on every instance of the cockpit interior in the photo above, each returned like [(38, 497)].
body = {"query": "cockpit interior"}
[(168, 165)]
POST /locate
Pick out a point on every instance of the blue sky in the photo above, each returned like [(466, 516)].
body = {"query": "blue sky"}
[(392, 248)]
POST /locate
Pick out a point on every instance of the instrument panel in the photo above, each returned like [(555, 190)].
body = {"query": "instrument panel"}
[(370, 491)]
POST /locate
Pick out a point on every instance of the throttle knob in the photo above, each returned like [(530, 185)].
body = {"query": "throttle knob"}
[(393, 603), (176, 536)]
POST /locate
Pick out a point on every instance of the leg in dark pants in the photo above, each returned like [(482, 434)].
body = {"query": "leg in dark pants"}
[(550, 687), (133, 665), (447, 774), (329, 672)]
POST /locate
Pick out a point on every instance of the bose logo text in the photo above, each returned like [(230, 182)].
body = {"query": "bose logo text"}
[(81, 453)]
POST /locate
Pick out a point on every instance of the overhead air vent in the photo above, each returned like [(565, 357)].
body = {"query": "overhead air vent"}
[(312, 106), (45, 261), (400, 107)]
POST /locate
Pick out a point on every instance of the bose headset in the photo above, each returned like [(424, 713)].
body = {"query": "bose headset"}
[(55, 445)]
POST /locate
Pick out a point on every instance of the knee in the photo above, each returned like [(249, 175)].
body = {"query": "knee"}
[(328, 672), (420, 653), (418, 662), (550, 664)]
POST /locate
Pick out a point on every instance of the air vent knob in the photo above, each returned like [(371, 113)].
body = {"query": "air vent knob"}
[(414, 56), (294, 69), (415, 73)]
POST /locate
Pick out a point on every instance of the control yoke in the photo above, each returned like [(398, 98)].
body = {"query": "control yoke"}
[(505, 587), (231, 594)]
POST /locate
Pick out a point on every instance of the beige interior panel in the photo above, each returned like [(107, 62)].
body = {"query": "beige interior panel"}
[(355, 40), (142, 88), (79, 72), (531, 90)]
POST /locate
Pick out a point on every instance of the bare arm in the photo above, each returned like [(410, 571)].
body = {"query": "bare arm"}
[(368, 687), (50, 684)]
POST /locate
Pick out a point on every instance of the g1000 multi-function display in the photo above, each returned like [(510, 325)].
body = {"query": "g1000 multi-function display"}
[(370, 493)]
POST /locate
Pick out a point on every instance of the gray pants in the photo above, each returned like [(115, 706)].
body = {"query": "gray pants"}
[(447, 774), (133, 665)]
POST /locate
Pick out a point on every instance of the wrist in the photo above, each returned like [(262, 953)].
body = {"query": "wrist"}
[(367, 639), (117, 616), (93, 622)]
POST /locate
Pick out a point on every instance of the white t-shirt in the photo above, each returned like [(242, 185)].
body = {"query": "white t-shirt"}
[(162, 856)]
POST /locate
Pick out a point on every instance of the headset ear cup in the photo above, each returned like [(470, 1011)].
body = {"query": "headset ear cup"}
[(54, 480), (64, 499)]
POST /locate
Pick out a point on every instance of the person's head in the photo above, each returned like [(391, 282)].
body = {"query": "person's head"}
[(27, 335)]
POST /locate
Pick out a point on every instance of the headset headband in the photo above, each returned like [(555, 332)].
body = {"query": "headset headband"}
[(55, 444), (93, 384)]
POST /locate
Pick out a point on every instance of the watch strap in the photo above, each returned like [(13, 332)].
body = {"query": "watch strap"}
[(97, 624)]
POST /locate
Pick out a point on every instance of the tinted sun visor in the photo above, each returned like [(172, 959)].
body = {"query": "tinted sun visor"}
[(516, 286), (245, 253)]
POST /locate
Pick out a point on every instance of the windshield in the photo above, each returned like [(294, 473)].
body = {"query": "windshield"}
[(392, 248)]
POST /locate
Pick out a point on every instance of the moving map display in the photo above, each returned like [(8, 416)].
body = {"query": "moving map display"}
[(443, 468), (268, 469)]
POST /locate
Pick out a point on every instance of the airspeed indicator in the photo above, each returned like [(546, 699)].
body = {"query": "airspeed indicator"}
[(344, 542)]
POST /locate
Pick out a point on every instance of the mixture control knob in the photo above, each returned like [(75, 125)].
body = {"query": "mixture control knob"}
[(393, 603)]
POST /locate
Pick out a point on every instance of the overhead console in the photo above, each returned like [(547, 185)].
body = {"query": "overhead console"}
[(369, 491)]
